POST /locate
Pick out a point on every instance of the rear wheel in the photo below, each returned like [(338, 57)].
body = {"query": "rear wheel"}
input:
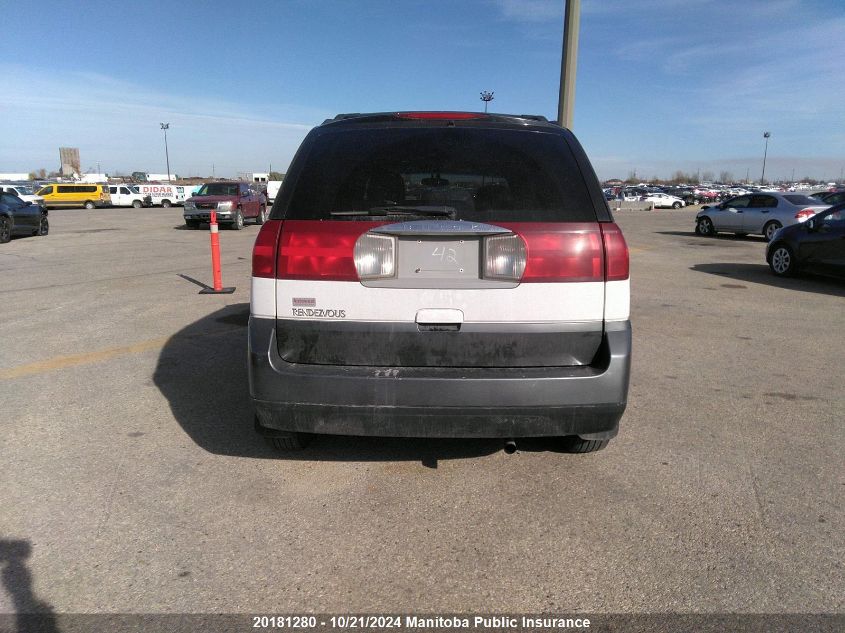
[(136, 204), (238, 222), (289, 442), (262, 216), (282, 441), (166, 204), (574, 444), (676, 205), (704, 226), (769, 230), (89, 204), (43, 225), (5, 229), (782, 261)]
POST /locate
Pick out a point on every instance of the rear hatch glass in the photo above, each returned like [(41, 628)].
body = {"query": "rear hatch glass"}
[(485, 175)]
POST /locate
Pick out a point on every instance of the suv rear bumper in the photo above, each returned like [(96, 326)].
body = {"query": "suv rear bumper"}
[(587, 401)]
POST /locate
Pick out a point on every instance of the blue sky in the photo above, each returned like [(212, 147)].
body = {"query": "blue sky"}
[(662, 84)]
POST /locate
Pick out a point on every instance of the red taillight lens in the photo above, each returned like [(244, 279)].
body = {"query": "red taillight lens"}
[(617, 261), (804, 214), (311, 249), (561, 252), (264, 251), (440, 115)]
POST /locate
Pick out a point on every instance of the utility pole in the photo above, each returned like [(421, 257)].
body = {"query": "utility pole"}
[(766, 136), (165, 127), (568, 63)]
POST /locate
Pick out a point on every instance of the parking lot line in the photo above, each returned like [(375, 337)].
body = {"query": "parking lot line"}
[(72, 360)]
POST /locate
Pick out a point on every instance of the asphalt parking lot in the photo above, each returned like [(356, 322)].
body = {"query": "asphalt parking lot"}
[(132, 480)]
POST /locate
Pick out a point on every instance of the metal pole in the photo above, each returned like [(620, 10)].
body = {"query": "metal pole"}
[(165, 126), (766, 136), (568, 63)]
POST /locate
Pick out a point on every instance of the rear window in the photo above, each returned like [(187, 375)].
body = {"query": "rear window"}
[(799, 199), (480, 175)]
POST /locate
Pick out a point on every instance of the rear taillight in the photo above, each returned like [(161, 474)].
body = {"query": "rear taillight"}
[(311, 249), (805, 214), (264, 251), (505, 257), (617, 263), (561, 252), (440, 115), (375, 256)]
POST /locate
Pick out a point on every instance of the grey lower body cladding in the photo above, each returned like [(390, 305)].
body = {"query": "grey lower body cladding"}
[(586, 400)]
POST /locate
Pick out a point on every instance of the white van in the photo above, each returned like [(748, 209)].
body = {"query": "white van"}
[(128, 196), (24, 192), (166, 195)]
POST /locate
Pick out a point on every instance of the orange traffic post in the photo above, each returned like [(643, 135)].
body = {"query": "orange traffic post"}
[(218, 288)]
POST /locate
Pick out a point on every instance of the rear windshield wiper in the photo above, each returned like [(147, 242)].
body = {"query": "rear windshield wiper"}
[(435, 211)]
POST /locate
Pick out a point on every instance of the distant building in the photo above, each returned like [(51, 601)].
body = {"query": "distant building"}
[(258, 177), (12, 176), (69, 160), (142, 176)]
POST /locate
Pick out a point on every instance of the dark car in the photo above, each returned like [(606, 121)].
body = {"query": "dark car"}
[(233, 202), (817, 245), (831, 198), (440, 274), (19, 217)]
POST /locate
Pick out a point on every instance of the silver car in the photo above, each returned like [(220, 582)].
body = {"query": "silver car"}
[(757, 213)]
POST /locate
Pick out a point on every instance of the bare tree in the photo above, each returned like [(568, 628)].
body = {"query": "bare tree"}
[(726, 177)]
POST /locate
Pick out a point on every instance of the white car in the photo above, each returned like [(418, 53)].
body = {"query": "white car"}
[(664, 201), (405, 287), (128, 196), (24, 192)]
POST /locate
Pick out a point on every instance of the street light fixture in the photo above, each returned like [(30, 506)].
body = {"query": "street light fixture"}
[(766, 136), (165, 127), (486, 97)]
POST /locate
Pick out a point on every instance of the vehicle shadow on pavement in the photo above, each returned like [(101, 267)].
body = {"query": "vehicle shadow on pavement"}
[(729, 237), (202, 371), (27, 612), (761, 274)]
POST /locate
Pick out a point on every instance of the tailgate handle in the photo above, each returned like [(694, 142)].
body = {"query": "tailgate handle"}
[(436, 319)]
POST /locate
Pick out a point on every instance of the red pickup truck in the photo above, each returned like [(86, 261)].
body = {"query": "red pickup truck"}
[(234, 203)]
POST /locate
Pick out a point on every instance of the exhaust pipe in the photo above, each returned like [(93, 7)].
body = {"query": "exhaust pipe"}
[(510, 447)]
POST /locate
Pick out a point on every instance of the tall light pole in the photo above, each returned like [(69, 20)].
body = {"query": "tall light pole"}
[(568, 63), (165, 127), (486, 97), (766, 136)]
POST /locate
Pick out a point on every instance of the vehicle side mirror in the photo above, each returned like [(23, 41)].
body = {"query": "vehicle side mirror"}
[(811, 225)]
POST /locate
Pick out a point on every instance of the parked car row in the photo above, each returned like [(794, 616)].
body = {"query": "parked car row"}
[(757, 214), (803, 233)]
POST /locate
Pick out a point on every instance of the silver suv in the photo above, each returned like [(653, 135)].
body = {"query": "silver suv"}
[(440, 274)]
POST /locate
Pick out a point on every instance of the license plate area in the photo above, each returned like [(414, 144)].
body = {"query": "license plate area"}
[(424, 261), (437, 258)]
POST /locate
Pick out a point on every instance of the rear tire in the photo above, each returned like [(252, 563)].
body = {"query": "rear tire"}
[(89, 204), (238, 222), (288, 443), (782, 261), (704, 226), (262, 216), (574, 444), (676, 205), (5, 229), (769, 230), (136, 204), (166, 204), (43, 225)]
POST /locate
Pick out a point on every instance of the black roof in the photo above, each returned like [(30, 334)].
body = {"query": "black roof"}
[(441, 118)]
